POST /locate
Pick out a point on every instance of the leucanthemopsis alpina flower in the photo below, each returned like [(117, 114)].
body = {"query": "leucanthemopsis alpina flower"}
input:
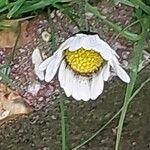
[(84, 62)]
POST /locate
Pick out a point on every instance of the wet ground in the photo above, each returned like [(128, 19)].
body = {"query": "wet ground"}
[(40, 130)]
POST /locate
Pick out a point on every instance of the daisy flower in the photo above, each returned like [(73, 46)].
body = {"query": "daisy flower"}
[(83, 62)]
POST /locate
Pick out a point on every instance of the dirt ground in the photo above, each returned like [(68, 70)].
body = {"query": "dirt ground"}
[(40, 130)]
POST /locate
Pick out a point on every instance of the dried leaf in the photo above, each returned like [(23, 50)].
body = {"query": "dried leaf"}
[(9, 32), (11, 103)]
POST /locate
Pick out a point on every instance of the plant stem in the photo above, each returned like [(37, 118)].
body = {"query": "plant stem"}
[(63, 128)]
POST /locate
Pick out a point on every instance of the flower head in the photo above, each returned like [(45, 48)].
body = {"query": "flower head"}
[(84, 62)]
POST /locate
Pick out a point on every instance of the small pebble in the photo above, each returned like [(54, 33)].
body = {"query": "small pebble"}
[(52, 15), (59, 14), (53, 117), (41, 99), (46, 36), (125, 54), (134, 143), (89, 15), (34, 88)]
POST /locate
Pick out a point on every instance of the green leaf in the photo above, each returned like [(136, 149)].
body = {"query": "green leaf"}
[(27, 7), (125, 2), (4, 76), (3, 9), (15, 8), (2, 3), (142, 6)]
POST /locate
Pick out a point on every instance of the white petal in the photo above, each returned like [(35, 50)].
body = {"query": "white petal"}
[(39, 73), (82, 41), (120, 72), (36, 56), (97, 86), (114, 52), (106, 46), (106, 54), (68, 87), (95, 43), (84, 88), (115, 60), (75, 89), (66, 44), (62, 74), (45, 63), (76, 43), (105, 50), (36, 60), (89, 41), (81, 35), (52, 69), (106, 71), (58, 53)]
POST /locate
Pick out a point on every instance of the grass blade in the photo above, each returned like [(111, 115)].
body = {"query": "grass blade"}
[(138, 49), (2, 3), (27, 7), (125, 2), (142, 6), (5, 78), (7, 7), (63, 127), (137, 21), (15, 8)]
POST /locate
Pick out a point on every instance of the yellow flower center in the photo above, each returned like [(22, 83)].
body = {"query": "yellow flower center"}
[(84, 61)]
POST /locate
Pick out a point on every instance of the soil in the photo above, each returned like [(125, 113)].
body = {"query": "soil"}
[(40, 130)]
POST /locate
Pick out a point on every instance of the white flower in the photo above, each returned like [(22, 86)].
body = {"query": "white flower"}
[(84, 62), (36, 60)]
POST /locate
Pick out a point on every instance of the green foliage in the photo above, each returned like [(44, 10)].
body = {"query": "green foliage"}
[(19, 7), (15, 8), (4, 74), (2, 3)]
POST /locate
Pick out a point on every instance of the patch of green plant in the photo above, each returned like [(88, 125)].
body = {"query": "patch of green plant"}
[(4, 74), (16, 8)]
